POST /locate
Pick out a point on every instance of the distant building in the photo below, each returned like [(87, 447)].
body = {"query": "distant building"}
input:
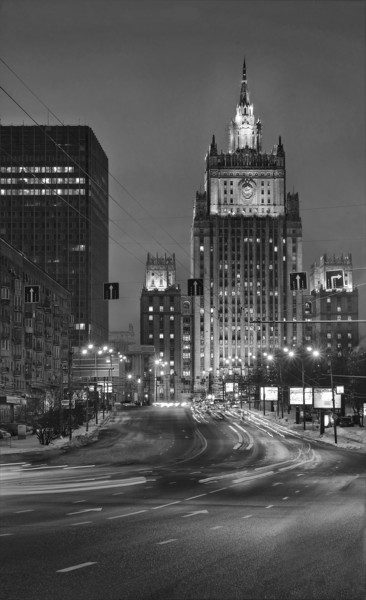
[(34, 336), (54, 208), (333, 305), (160, 323), (246, 240)]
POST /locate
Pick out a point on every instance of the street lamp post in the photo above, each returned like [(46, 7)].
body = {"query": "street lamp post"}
[(333, 401), (301, 357)]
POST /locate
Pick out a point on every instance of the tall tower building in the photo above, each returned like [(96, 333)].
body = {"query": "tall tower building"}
[(54, 208), (160, 323), (246, 239), (333, 305)]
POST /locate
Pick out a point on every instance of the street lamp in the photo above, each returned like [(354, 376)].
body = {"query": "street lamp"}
[(301, 356)]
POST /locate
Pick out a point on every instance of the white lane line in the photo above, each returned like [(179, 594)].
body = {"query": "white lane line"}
[(80, 523), (84, 511), (5, 534), (297, 492), (300, 475), (19, 512), (220, 490), (137, 512), (166, 542), (118, 494), (79, 467), (217, 527), (81, 566), (270, 506), (285, 498), (277, 483), (78, 501), (247, 517), (164, 505), (194, 497), (194, 513)]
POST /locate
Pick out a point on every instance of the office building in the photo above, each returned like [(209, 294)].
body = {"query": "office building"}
[(54, 209), (246, 240), (34, 337), (160, 323)]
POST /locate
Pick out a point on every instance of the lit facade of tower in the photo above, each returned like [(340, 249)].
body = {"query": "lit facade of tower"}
[(246, 239), (54, 208), (333, 305), (160, 324)]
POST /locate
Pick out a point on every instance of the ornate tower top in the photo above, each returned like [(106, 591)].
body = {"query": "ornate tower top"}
[(243, 130)]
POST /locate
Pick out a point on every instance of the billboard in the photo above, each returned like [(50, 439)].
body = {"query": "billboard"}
[(297, 396), (269, 393), (323, 398)]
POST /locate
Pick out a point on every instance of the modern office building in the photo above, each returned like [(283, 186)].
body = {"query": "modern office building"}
[(34, 336), (332, 307), (54, 208), (246, 240), (160, 323)]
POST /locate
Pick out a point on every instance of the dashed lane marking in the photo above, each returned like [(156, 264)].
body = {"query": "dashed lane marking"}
[(137, 512), (220, 490), (270, 506), (164, 505), (80, 523), (247, 517), (166, 542), (194, 497), (285, 498), (80, 566), (19, 512), (217, 527), (5, 534)]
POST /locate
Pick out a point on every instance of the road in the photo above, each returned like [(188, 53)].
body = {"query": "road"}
[(170, 505)]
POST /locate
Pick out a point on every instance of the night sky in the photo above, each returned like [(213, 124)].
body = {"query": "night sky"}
[(155, 79)]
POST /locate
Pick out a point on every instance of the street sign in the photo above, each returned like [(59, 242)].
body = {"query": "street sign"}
[(195, 287), (31, 293), (298, 281), (334, 279), (111, 291)]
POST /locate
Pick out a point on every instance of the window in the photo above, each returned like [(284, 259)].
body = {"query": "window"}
[(150, 308), (161, 336), (151, 318)]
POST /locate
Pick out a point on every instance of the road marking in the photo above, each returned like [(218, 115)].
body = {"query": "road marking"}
[(81, 566), (278, 483), (164, 505), (285, 498), (300, 475), (84, 511), (270, 506), (220, 490), (5, 534), (80, 523), (118, 494), (247, 517), (79, 467), (217, 527), (18, 512), (78, 501), (166, 542), (127, 514), (194, 497), (297, 492), (196, 512)]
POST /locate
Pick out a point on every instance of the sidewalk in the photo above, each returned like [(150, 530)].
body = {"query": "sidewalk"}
[(350, 438), (80, 437)]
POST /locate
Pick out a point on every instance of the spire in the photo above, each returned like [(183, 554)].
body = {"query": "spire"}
[(244, 92)]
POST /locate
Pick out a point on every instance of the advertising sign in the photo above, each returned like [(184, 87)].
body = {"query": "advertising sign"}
[(229, 386), (269, 393), (296, 396), (323, 398)]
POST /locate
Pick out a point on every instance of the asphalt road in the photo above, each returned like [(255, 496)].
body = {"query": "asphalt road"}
[(166, 505)]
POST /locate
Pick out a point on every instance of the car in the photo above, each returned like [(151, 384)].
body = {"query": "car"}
[(11, 428), (346, 421), (4, 435)]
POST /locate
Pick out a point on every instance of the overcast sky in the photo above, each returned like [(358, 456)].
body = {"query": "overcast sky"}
[(155, 79)]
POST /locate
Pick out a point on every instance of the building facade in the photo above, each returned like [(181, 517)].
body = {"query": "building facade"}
[(160, 324), (54, 208), (332, 305), (34, 335), (246, 239)]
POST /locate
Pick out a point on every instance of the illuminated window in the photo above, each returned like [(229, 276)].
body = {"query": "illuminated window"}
[(150, 308)]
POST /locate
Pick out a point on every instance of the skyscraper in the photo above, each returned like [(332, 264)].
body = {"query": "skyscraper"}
[(54, 208), (160, 323), (246, 239)]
